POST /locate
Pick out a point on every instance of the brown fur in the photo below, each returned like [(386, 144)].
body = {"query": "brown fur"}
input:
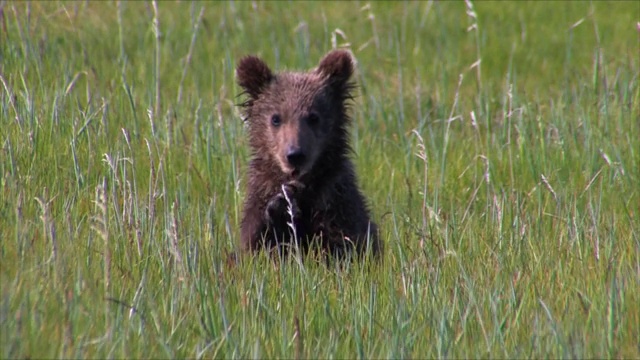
[(299, 140)]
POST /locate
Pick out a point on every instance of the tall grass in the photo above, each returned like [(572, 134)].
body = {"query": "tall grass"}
[(498, 144)]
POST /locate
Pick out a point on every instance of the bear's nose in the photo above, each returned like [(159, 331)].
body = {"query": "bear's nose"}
[(296, 157)]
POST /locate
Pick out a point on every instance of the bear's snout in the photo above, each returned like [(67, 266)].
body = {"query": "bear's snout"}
[(296, 157)]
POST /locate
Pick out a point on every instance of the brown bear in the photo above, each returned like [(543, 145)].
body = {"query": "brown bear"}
[(301, 186)]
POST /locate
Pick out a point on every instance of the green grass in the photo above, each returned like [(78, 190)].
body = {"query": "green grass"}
[(507, 193)]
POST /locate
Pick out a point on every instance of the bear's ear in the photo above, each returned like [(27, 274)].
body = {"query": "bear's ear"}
[(253, 75), (338, 66)]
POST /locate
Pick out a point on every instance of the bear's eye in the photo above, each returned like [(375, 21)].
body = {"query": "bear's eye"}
[(276, 120), (313, 119)]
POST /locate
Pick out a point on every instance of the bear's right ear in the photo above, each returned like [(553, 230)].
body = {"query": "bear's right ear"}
[(253, 75), (337, 65)]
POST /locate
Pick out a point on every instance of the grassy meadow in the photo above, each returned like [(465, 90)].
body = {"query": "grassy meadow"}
[(498, 144)]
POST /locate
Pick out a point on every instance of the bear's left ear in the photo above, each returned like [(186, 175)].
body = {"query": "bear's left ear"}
[(253, 75), (338, 66)]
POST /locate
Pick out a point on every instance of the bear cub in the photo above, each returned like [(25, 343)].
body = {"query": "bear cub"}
[(301, 183)]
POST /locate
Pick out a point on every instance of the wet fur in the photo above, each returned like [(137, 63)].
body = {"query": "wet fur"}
[(330, 213)]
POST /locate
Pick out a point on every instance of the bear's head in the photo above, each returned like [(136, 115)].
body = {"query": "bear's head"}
[(297, 118)]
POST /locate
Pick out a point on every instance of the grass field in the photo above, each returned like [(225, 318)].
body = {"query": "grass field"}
[(498, 144)]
